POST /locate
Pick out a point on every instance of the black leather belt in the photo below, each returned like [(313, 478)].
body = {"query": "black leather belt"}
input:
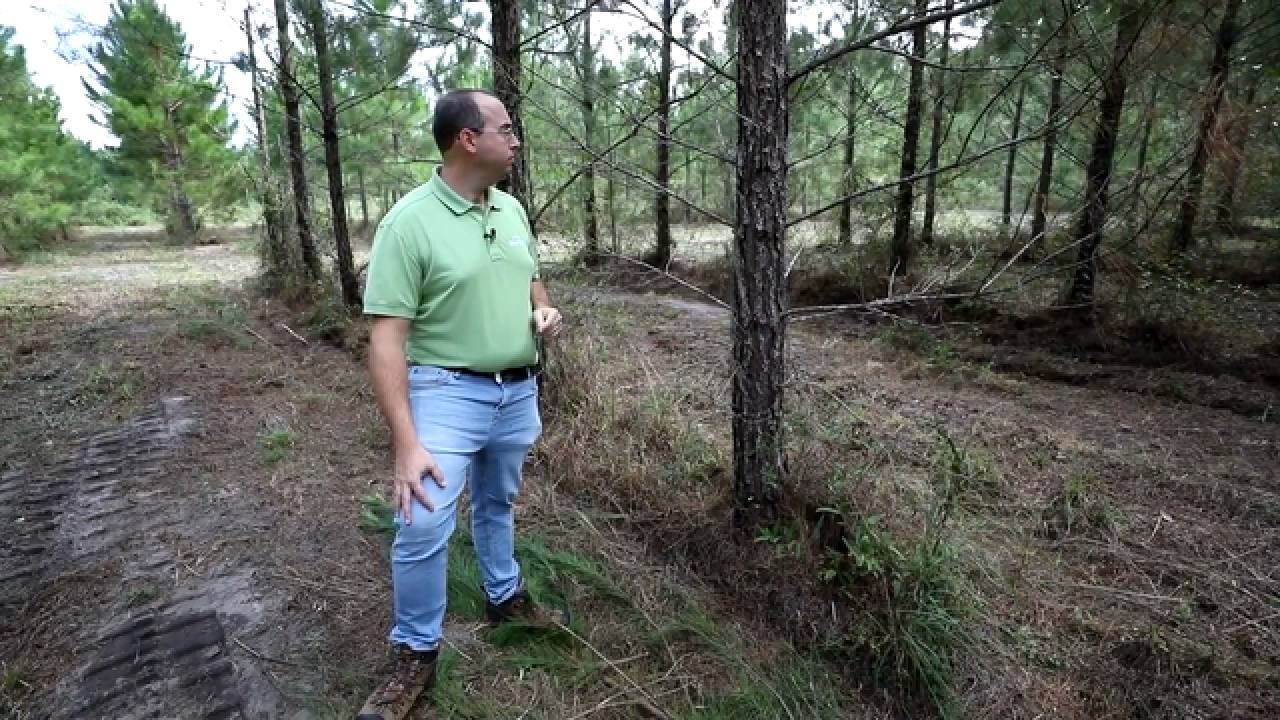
[(502, 376)]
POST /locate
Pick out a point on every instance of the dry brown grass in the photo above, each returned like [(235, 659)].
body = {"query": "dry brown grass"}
[(1096, 550)]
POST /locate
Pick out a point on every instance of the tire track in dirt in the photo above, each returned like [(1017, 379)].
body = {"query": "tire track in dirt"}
[(109, 516)]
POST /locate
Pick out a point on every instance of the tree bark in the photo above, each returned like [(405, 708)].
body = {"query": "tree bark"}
[(180, 202), (611, 190), (1088, 234), (279, 265), (1144, 144), (1040, 211), (297, 165), (901, 247), (1006, 212), (935, 137), (759, 326), (662, 168), (590, 222), (364, 199), (848, 181), (506, 86), (319, 22), (1183, 231), (1239, 136)]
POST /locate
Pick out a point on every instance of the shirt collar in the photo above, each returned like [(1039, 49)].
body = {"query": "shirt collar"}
[(450, 197)]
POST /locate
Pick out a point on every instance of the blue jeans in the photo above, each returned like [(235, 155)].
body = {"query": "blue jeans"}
[(472, 426)]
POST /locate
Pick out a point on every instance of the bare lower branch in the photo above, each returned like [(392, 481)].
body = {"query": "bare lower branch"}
[(683, 283)]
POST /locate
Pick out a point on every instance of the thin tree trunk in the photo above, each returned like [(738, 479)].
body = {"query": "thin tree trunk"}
[(805, 172), (297, 164), (901, 247), (759, 326), (848, 182), (395, 177), (662, 167), (1148, 124), (613, 213), (1239, 136), (1006, 212), (1088, 234), (364, 200), (1183, 231), (702, 182), (276, 252), (1040, 211), (506, 85), (333, 156), (590, 223), (687, 211), (935, 137)]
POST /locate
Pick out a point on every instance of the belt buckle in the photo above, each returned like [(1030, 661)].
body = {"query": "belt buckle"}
[(497, 377)]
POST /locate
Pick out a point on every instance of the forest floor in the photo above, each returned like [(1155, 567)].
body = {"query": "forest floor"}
[(189, 480)]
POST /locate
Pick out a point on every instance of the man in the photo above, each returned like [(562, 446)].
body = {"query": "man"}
[(455, 293)]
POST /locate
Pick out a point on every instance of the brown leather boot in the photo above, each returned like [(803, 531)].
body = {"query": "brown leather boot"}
[(413, 673), (521, 608)]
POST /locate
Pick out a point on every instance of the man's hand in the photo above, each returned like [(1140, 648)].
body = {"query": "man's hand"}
[(411, 465), (547, 321)]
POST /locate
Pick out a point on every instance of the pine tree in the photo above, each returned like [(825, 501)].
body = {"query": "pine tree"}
[(170, 117), (44, 172)]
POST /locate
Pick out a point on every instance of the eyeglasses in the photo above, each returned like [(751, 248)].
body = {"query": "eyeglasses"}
[(506, 132)]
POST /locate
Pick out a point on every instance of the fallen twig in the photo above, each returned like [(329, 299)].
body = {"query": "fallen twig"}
[(265, 658), (296, 335)]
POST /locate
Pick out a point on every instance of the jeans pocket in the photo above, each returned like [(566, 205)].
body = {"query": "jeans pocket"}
[(429, 377)]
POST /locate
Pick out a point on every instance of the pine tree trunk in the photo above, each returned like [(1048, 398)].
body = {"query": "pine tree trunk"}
[(1144, 144), (662, 167), (506, 85), (613, 213), (901, 247), (297, 161), (276, 254), (686, 211), (333, 157), (182, 212), (590, 223), (805, 172), (848, 181), (759, 326), (702, 183), (1006, 212), (364, 200), (935, 137), (1183, 231), (1226, 215), (1040, 211), (1088, 234)]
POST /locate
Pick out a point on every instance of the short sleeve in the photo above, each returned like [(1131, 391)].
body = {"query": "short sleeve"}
[(532, 242), (395, 275)]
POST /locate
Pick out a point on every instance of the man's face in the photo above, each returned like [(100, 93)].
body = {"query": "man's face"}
[(494, 144)]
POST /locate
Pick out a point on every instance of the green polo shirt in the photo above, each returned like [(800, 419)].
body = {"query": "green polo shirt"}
[(461, 272)]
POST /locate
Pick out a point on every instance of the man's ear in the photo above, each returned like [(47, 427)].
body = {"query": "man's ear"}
[(467, 139)]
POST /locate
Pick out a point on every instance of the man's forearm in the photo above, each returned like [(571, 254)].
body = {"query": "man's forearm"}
[(539, 296), (390, 373)]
